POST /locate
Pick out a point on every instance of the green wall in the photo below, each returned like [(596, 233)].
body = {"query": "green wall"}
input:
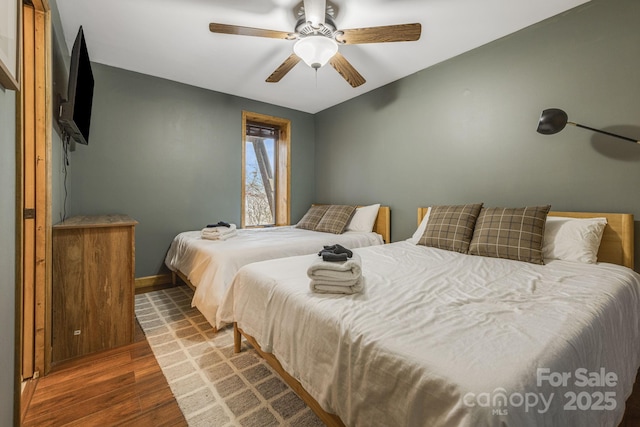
[(169, 155), (465, 130), (461, 131), (60, 188), (7, 254)]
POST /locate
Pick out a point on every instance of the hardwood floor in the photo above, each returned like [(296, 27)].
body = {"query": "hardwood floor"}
[(123, 386)]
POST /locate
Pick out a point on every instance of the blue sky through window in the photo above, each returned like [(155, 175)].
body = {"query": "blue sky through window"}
[(252, 162), (258, 205)]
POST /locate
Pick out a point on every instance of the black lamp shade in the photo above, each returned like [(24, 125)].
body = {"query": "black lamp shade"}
[(552, 120)]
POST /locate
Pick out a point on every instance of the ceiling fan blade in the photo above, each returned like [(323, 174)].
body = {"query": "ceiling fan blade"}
[(346, 70), (388, 33), (284, 68), (314, 11), (248, 31)]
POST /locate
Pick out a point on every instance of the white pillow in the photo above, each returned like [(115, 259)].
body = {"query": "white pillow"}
[(573, 239), (364, 218), (420, 231)]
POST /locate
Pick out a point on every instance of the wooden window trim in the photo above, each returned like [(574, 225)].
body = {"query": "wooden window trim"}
[(283, 163)]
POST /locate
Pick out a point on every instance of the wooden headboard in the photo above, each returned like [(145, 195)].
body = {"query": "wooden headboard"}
[(616, 246), (382, 225)]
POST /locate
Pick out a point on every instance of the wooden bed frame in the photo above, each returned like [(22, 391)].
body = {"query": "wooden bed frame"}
[(382, 226), (616, 248)]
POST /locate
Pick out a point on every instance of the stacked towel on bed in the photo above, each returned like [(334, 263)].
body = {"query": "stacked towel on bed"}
[(219, 231), (337, 271)]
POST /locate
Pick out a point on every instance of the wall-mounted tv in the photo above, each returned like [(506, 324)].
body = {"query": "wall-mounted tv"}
[(75, 114)]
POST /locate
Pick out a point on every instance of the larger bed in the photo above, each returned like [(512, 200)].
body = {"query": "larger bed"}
[(440, 338), (209, 265)]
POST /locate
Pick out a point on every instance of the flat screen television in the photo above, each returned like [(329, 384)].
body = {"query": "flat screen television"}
[(75, 114)]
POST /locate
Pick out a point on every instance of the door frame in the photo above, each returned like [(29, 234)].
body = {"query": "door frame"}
[(33, 198)]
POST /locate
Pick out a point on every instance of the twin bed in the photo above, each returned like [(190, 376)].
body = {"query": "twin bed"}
[(449, 339), (208, 266)]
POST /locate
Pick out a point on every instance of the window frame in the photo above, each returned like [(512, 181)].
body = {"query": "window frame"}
[(282, 172)]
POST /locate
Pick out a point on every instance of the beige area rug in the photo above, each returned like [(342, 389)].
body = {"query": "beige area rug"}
[(213, 385)]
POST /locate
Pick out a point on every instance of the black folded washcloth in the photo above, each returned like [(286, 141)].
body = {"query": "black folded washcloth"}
[(219, 224), (337, 249), (331, 257), (335, 253)]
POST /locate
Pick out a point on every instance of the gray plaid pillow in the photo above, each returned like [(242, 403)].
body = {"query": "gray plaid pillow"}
[(313, 216), (335, 219), (451, 227), (510, 233)]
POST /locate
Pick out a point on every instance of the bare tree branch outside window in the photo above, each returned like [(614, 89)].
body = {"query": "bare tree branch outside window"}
[(259, 199)]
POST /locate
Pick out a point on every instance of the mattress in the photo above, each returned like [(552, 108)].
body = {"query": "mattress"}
[(439, 338), (211, 264)]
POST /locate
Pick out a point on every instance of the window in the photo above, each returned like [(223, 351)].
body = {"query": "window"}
[(265, 170), (259, 190)]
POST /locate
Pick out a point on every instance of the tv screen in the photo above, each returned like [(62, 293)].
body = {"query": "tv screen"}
[(75, 116)]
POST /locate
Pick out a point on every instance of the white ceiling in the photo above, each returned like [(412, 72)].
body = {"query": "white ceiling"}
[(171, 39)]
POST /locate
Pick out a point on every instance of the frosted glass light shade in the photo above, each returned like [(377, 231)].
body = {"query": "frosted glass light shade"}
[(315, 51)]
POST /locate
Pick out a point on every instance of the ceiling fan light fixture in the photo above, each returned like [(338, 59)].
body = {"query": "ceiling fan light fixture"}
[(315, 51)]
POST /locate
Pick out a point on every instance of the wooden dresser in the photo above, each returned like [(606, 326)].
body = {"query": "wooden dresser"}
[(93, 284)]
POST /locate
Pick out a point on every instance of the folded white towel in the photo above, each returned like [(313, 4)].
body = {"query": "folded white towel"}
[(337, 287), (345, 271), (342, 277), (218, 236), (217, 231)]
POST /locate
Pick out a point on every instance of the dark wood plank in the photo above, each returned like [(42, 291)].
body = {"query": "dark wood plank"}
[(121, 386), (105, 404), (84, 368), (67, 393)]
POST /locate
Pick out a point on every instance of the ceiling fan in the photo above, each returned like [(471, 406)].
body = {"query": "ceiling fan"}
[(317, 39)]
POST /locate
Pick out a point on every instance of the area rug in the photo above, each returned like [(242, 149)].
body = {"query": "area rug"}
[(212, 385)]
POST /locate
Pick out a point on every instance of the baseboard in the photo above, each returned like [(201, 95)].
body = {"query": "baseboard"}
[(153, 281)]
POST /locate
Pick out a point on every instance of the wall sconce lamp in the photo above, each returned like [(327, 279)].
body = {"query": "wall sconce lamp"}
[(553, 120)]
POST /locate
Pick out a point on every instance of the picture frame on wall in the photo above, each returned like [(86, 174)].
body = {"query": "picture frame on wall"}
[(9, 42)]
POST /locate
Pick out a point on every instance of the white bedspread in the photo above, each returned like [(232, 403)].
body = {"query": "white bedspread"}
[(210, 265), (438, 337)]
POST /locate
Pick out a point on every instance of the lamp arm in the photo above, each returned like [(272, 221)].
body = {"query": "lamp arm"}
[(604, 132)]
